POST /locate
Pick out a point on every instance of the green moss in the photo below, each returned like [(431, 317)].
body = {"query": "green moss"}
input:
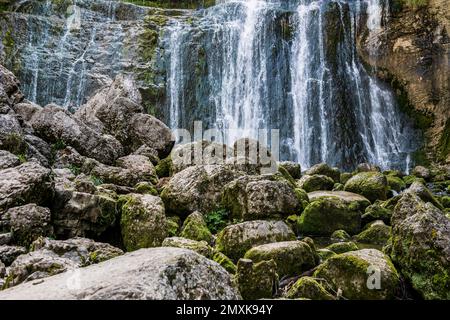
[(146, 188), (444, 143), (341, 247), (224, 261), (372, 185), (375, 234), (164, 168), (287, 176), (340, 235), (309, 288), (395, 183), (195, 228), (173, 225)]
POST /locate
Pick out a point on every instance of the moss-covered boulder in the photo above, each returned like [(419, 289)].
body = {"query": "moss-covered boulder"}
[(340, 236), (325, 170), (164, 168), (143, 221), (341, 247), (445, 200), (421, 172), (262, 197), (363, 275), (315, 183), (348, 197), (376, 212), (256, 280), (146, 188), (324, 215), (292, 257), (395, 183), (293, 168), (308, 288), (375, 233), (420, 246), (324, 254), (372, 185), (201, 247), (409, 180), (195, 228), (224, 261), (235, 240)]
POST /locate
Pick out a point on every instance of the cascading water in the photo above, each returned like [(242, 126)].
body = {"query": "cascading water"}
[(292, 66)]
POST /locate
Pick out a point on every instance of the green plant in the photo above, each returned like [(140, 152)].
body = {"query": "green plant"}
[(58, 145), (75, 169), (217, 220), (96, 180), (22, 158)]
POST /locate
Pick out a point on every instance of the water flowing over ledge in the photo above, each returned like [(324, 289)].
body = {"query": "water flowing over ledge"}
[(256, 64)]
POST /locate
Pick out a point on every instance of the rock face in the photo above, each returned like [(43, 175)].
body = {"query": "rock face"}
[(158, 273), (236, 239), (197, 188), (363, 274), (29, 182), (412, 50), (260, 197), (143, 221), (372, 185), (291, 257), (420, 246)]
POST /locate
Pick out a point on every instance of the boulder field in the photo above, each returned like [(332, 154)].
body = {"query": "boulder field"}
[(98, 204)]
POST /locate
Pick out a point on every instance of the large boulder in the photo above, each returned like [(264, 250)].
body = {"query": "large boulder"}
[(49, 257), (201, 247), (375, 233), (261, 197), (366, 274), (143, 221), (197, 188), (10, 93), (293, 168), (315, 183), (329, 212), (157, 274), (28, 223), (235, 240), (308, 288), (292, 257), (56, 125), (423, 193), (29, 182), (420, 246), (195, 228), (325, 170), (11, 134), (256, 280), (372, 185)]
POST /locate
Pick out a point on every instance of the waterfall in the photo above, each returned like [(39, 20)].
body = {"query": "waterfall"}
[(308, 83)]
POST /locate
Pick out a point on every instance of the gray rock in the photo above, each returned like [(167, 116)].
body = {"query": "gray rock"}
[(29, 182), (201, 247), (325, 170), (315, 183), (10, 93), (293, 168), (11, 134), (8, 160), (55, 124), (261, 197), (256, 280), (5, 238), (157, 274), (197, 188), (9, 253), (421, 172), (423, 193), (29, 222)]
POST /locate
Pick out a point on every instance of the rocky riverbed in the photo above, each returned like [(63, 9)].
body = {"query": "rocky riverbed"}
[(96, 204)]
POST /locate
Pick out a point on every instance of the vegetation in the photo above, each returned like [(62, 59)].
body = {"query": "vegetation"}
[(217, 220)]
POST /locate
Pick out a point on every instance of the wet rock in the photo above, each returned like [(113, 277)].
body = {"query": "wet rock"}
[(256, 281), (55, 124), (235, 240), (325, 170), (143, 221), (420, 246), (315, 183), (28, 223), (197, 188), (292, 257), (372, 185), (363, 274), (308, 288), (261, 197), (201, 247), (29, 182), (157, 273), (8, 160), (195, 228)]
